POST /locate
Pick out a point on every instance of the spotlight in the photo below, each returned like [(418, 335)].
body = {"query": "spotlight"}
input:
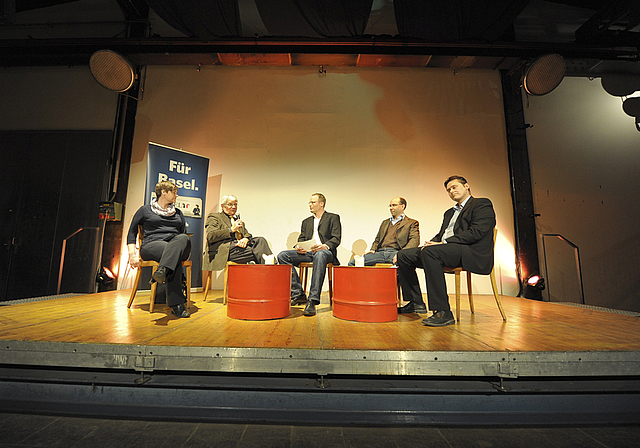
[(620, 84), (112, 70), (631, 106), (544, 74), (534, 280), (533, 287), (105, 277)]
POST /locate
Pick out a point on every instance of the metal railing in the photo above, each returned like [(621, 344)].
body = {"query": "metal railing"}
[(576, 253), (64, 249)]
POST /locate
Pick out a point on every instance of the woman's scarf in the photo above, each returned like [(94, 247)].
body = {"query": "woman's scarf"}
[(169, 211)]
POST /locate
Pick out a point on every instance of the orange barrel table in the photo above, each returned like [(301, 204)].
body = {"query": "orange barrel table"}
[(258, 291), (365, 294)]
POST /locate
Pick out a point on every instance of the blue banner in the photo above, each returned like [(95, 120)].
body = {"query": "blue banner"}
[(190, 173)]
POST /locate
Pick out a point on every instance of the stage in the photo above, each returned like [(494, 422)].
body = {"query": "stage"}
[(89, 354)]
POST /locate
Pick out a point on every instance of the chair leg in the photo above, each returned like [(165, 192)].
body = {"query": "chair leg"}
[(457, 296), (136, 284), (154, 286), (330, 285), (207, 283), (188, 287), (470, 292), (494, 285), (303, 278), (226, 277)]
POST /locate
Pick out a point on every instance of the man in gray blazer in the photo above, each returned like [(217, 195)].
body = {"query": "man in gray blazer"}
[(465, 239), (229, 240), (398, 232), (326, 230)]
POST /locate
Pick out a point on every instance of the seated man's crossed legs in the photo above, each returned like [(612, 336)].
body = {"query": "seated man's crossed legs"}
[(432, 260), (257, 247), (380, 256)]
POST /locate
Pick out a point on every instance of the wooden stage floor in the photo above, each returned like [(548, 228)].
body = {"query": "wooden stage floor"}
[(539, 339), (103, 318)]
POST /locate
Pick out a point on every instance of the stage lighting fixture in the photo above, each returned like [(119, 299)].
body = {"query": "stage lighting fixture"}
[(533, 287), (535, 281), (544, 74), (112, 70), (620, 84), (105, 277), (631, 106)]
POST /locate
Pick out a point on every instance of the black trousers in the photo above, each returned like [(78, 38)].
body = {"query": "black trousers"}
[(170, 254), (432, 259), (257, 247)]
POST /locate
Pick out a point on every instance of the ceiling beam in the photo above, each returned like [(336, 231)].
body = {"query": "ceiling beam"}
[(44, 52)]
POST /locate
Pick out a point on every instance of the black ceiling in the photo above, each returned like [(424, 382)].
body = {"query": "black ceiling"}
[(594, 36)]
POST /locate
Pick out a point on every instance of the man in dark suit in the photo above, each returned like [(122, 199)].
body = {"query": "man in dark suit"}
[(229, 240), (325, 230), (465, 239), (398, 232)]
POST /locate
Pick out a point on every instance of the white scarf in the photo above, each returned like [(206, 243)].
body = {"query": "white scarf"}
[(169, 211)]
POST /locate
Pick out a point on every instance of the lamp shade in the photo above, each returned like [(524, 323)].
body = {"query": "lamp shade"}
[(631, 106), (620, 84), (112, 70)]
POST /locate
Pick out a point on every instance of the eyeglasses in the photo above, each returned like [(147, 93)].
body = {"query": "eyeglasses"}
[(394, 205), (230, 205)]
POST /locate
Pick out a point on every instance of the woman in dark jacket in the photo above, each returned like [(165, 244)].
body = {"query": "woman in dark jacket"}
[(165, 240)]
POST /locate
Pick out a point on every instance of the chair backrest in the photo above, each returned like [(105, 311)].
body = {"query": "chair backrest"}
[(147, 262)]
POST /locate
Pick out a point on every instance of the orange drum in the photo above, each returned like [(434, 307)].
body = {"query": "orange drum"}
[(258, 291), (365, 294)]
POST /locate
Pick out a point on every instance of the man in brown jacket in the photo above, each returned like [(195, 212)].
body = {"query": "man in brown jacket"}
[(229, 240), (398, 232)]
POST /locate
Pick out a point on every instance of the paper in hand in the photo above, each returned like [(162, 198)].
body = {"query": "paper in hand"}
[(306, 245)]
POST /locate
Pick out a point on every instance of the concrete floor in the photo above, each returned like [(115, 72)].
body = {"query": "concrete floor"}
[(20, 430)]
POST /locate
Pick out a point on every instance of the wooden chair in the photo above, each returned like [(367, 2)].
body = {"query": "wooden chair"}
[(154, 285), (494, 285), (208, 274), (304, 277)]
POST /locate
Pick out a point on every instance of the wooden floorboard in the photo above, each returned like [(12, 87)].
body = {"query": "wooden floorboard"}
[(103, 318)]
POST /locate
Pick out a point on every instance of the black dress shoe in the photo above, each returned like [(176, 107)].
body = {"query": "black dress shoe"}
[(180, 310), (310, 309), (160, 275), (412, 308), (439, 319), (299, 300)]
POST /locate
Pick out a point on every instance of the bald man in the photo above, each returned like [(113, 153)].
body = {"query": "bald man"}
[(398, 232)]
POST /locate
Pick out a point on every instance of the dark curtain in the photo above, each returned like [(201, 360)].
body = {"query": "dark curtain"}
[(315, 18), (202, 19), (456, 20)]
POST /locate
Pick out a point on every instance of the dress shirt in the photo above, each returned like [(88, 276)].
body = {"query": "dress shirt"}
[(456, 212), (396, 220)]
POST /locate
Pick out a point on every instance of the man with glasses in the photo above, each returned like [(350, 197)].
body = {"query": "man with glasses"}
[(229, 240), (398, 232), (325, 230)]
